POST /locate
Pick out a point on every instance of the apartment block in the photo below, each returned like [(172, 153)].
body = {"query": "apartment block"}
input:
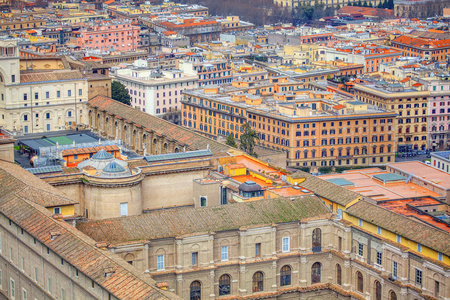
[(410, 105), (209, 72), (108, 36), (155, 92)]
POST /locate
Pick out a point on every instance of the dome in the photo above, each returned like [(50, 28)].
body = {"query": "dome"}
[(250, 186), (102, 155), (113, 167)]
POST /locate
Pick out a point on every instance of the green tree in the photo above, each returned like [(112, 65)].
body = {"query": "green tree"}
[(248, 140), (120, 93), (230, 141)]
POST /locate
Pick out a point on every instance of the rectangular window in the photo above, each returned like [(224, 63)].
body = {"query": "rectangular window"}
[(57, 210), (194, 258), (63, 294), (394, 269), (379, 257), (440, 256), (47, 95), (69, 93), (160, 262), (58, 94), (36, 96), (124, 209), (418, 277), (378, 230), (80, 92), (203, 201), (25, 96), (360, 249), (399, 239), (224, 252), (258, 249), (35, 274), (360, 222), (24, 294), (419, 247), (49, 284), (13, 78), (286, 244), (13, 289)]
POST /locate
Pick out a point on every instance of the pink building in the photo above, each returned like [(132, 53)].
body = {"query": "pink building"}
[(439, 113), (110, 36)]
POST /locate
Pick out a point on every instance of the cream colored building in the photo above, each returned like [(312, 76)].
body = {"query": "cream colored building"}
[(38, 101)]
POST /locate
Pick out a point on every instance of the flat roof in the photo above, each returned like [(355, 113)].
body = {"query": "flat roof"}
[(423, 172), (389, 177), (366, 185), (341, 181), (80, 138), (43, 170)]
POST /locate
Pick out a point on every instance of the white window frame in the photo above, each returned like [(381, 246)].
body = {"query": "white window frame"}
[(379, 258), (12, 287), (160, 264), (24, 294), (55, 209), (360, 249), (224, 253), (286, 244), (394, 269)]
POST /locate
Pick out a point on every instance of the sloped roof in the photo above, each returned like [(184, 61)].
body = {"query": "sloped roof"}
[(161, 127), (179, 222), (17, 202), (23, 183), (326, 189), (409, 228), (50, 76)]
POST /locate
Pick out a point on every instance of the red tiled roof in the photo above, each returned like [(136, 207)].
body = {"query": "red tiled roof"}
[(18, 204), (87, 150)]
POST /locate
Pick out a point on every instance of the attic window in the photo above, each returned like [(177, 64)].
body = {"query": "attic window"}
[(54, 234), (109, 271)]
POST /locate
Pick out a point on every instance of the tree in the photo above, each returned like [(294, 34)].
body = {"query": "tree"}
[(248, 140), (120, 93), (230, 141)]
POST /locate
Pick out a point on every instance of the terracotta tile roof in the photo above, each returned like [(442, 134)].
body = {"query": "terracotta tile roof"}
[(326, 189), (87, 150), (125, 282), (409, 228), (179, 222), (183, 136), (50, 76), (18, 180)]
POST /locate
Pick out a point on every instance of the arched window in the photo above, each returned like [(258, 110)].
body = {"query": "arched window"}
[(285, 276), (360, 283), (317, 240), (315, 272), (129, 258), (338, 274), (377, 290), (196, 290), (392, 295), (258, 282), (224, 285)]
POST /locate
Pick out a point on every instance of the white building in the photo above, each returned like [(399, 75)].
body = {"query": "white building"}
[(38, 101), (155, 92), (441, 161)]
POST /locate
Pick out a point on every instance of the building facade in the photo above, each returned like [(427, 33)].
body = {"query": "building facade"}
[(411, 106), (37, 101)]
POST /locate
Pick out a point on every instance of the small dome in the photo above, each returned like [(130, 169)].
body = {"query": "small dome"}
[(114, 167), (102, 155), (250, 186)]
